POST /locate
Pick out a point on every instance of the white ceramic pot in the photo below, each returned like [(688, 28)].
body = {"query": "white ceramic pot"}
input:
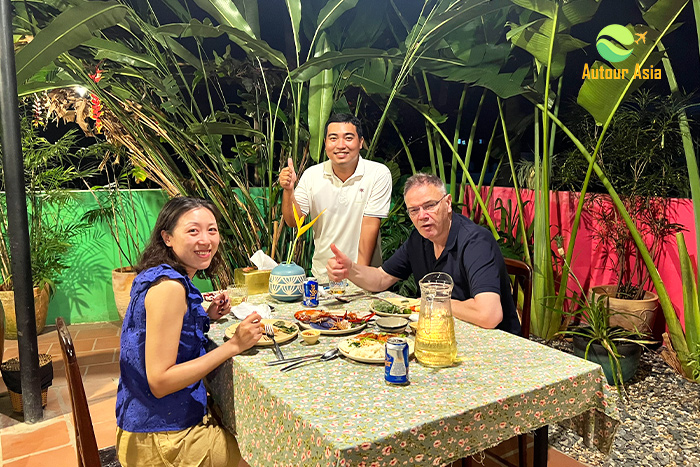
[(287, 282)]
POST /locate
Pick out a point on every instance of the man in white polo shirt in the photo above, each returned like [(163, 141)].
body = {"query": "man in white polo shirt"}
[(356, 194)]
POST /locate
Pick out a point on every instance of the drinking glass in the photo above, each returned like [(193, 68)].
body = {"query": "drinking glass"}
[(337, 288), (237, 293)]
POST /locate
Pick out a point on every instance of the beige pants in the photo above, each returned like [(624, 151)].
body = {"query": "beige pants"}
[(204, 445)]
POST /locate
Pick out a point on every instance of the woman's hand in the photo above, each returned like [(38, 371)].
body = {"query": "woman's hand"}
[(248, 333), (219, 307)]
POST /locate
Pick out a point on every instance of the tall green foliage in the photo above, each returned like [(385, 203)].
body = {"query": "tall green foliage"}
[(544, 35)]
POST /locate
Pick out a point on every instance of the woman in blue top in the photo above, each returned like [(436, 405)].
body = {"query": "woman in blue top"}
[(161, 401)]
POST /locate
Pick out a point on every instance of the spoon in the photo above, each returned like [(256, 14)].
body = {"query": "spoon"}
[(328, 355)]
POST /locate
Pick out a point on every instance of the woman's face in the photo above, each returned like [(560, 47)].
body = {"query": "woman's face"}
[(194, 239)]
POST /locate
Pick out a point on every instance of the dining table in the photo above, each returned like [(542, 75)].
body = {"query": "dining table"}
[(341, 412)]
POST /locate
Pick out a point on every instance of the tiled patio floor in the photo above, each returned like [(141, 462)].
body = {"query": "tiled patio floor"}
[(51, 442)]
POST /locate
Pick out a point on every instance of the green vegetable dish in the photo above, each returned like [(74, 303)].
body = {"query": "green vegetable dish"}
[(281, 325), (386, 307)]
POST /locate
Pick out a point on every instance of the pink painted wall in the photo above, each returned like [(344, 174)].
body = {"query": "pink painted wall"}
[(589, 263)]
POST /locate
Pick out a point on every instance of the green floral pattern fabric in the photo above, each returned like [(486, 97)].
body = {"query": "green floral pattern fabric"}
[(341, 412)]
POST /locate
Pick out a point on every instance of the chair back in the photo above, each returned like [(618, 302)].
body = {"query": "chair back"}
[(85, 443), (523, 279)]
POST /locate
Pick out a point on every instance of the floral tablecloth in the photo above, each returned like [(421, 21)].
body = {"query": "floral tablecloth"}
[(341, 412)]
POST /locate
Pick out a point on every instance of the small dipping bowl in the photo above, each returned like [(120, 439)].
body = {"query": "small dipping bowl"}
[(391, 324), (310, 336), (414, 326)]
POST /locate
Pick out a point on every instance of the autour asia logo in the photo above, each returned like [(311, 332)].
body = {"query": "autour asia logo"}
[(615, 43)]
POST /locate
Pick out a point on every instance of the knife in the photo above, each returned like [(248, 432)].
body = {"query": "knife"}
[(293, 359)]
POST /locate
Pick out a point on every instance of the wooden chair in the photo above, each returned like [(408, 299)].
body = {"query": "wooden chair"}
[(85, 443), (522, 280), (522, 273)]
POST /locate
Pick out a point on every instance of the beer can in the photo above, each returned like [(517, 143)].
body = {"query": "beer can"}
[(311, 292), (396, 362)]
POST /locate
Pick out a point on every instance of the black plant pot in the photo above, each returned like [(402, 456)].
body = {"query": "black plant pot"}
[(630, 355)]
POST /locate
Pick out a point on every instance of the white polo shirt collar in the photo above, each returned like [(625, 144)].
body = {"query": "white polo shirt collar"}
[(328, 171)]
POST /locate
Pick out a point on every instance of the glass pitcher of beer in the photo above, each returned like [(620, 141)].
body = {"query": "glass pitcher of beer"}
[(435, 338)]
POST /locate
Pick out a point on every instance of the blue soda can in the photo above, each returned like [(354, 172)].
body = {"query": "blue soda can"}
[(396, 362), (311, 292)]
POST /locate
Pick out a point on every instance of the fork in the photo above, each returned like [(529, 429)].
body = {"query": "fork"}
[(269, 332)]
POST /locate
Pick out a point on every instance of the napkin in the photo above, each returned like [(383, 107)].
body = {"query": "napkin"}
[(244, 309), (262, 261)]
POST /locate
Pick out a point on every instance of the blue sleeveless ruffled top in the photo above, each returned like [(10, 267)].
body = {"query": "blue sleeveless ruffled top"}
[(138, 410)]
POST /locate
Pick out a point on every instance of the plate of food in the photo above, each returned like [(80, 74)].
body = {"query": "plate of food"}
[(208, 297), (284, 331), (395, 306), (333, 322), (368, 347)]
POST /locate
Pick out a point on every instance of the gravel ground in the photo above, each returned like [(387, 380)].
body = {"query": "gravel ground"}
[(660, 423)]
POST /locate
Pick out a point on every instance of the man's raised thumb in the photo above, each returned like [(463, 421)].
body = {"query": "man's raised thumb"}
[(290, 164), (338, 254)]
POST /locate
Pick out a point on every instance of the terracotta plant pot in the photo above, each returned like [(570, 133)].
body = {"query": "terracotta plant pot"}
[(41, 310), (122, 278), (639, 314)]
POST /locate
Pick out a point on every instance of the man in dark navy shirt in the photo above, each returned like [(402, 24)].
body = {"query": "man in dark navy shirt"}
[(447, 242)]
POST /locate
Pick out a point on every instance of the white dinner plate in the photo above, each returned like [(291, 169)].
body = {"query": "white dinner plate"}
[(347, 350), (280, 336)]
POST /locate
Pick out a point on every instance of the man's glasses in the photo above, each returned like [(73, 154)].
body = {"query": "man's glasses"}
[(430, 206)]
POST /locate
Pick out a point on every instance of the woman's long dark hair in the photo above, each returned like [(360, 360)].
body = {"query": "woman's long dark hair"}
[(157, 252)]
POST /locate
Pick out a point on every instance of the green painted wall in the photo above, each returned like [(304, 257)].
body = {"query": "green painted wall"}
[(84, 290)]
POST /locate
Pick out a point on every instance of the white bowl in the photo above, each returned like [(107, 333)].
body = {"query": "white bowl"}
[(392, 324), (310, 336)]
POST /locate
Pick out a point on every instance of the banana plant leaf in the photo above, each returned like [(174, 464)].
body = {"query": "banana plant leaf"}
[(67, 31), (120, 53), (489, 76), (375, 77), (368, 24), (315, 65), (226, 13), (438, 26), (482, 73), (535, 37), (332, 11), (195, 28), (224, 128), (570, 13), (250, 13), (663, 12), (34, 87), (320, 101), (691, 301), (294, 10)]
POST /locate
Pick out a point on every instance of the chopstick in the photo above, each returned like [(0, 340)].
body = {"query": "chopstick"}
[(293, 359)]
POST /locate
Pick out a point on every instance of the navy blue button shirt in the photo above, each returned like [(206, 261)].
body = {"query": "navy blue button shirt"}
[(471, 256)]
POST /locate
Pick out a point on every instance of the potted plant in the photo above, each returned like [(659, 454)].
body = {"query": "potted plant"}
[(642, 157), (118, 210), (47, 171), (616, 349)]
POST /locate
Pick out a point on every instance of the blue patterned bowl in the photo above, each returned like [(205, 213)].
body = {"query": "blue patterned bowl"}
[(287, 282)]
